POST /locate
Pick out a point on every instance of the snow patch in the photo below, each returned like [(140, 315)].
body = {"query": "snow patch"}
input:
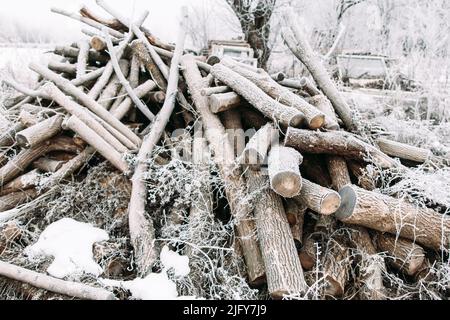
[(173, 260), (70, 243)]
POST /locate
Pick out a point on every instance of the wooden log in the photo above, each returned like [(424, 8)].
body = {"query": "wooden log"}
[(48, 165), (39, 132), (256, 150), (337, 167), (336, 143), (403, 151), (371, 265), (112, 88), (309, 251), (323, 104), (335, 265), (14, 199), (82, 59), (23, 182), (39, 280), (252, 119), (95, 140), (127, 103), (215, 90), (70, 52), (284, 173), (110, 23), (363, 178), (97, 43), (386, 214), (283, 269), (308, 87), (63, 67), (279, 76), (157, 96), (221, 102), (89, 119), (25, 157), (27, 118), (300, 47), (145, 58), (272, 109), (127, 137), (295, 215), (317, 198), (233, 125), (233, 181), (313, 117), (7, 138), (402, 254)]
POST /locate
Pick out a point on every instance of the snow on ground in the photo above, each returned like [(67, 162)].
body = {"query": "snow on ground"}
[(175, 261), (70, 243)]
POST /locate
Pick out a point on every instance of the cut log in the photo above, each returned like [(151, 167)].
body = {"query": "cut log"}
[(308, 252), (402, 254), (295, 215), (157, 96), (221, 102), (335, 265), (144, 56), (48, 165), (233, 125), (40, 132), (215, 90), (283, 269), (110, 23), (403, 151), (112, 88), (14, 199), (39, 280), (256, 150), (95, 140), (313, 117), (22, 160), (82, 59), (87, 101), (127, 103), (71, 52), (336, 143), (279, 76), (233, 181), (7, 138), (284, 172), (323, 104), (308, 87), (363, 178), (25, 181), (337, 167), (300, 47), (317, 198), (97, 43), (386, 214), (272, 109)]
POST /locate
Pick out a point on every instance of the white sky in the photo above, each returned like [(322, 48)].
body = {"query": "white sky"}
[(162, 20)]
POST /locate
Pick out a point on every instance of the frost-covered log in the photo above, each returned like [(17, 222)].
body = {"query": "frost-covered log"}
[(215, 90), (82, 59), (39, 280), (313, 117), (234, 184), (14, 199), (402, 254), (336, 264), (40, 132), (23, 182), (157, 96), (337, 167), (256, 150), (323, 104), (72, 52), (272, 109), (7, 138), (48, 165), (336, 143), (25, 157), (284, 171), (300, 47), (101, 145), (283, 270), (112, 88), (386, 214), (145, 58), (295, 215), (97, 43), (221, 102), (362, 175), (403, 151), (317, 198)]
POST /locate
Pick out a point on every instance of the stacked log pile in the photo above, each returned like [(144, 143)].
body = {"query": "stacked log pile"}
[(296, 189)]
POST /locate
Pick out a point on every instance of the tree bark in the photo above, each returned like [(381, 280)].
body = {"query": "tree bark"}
[(284, 172), (319, 199), (298, 44), (313, 117), (386, 214), (234, 183), (272, 109), (283, 270), (336, 143), (39, 280), (82, 59)]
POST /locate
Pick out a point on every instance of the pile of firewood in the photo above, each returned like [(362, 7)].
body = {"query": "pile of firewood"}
[(298, 189)]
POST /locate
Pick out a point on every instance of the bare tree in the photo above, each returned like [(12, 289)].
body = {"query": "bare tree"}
[(254, 17)]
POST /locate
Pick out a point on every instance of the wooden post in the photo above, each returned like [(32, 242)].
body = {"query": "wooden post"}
[(284, 172), (383, 213), (283, 270), (234, 183), (313, 117), (272, 109), (298, 44)]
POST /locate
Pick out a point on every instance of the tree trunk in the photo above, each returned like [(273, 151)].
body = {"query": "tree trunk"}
[(272, 109), (234, 183), (335, 265), (283, 270), (39, 280), (319, 199), (336, 143), (313, 117), (298, 44), (386, 214), (284, 172)]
